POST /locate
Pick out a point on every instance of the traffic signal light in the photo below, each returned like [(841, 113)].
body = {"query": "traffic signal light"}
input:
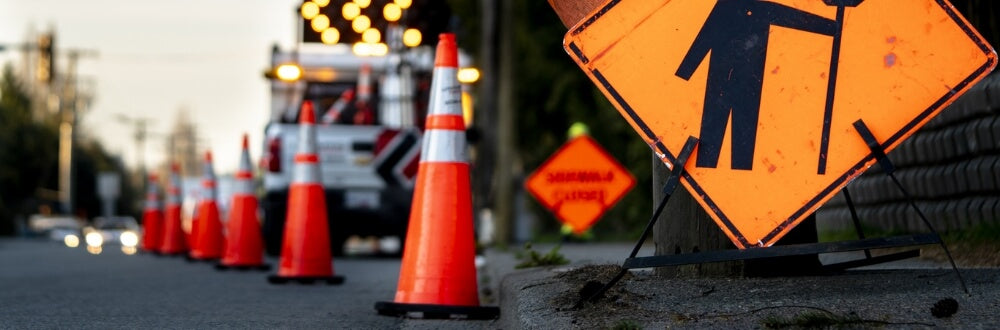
[(45, 69), (354, 21)]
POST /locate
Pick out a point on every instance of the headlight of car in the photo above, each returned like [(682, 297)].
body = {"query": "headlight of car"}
[(129, 239), (71, 240), (94, 239)]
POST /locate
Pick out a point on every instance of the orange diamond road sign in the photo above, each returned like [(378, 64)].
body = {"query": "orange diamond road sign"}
[(580, 182), (772, 88)]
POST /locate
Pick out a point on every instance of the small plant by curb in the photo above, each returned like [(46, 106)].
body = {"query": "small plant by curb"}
[(626, 325), (531, 258)]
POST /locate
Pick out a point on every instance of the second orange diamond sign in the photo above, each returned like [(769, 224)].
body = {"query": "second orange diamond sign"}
[(580, 182), (772, 88)]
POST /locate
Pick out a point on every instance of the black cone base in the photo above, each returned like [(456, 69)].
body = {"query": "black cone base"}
[(261, 267), (331, 280), (428, 311), (189, 258)]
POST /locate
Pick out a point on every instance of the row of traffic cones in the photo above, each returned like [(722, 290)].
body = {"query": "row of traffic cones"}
[(438, 275), (163, 232)]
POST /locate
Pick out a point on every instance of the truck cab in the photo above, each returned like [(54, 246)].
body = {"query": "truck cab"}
[(366, 162)]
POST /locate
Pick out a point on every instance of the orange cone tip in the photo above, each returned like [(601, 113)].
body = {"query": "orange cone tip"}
[(447, 51), (307, 116)]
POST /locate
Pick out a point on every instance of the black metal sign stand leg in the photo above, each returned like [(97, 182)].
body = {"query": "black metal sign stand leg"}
[(668, 189), (868, 259), (862, 244), (855, 220), (889, 168)]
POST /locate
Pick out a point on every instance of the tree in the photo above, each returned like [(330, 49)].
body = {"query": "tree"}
[(984, 15), (27, 160), (550, 94)]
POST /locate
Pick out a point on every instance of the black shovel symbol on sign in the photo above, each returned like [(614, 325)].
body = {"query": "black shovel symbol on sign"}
[(824, 145)]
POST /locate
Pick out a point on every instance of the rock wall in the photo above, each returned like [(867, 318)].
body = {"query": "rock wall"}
[(951, 168)]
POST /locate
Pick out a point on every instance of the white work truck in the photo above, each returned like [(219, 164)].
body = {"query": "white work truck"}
[(366, 167)]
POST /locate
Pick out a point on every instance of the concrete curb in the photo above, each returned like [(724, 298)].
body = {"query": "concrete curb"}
[(533, 299)]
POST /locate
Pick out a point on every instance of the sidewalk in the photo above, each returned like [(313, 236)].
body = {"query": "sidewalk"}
[(899, 294)]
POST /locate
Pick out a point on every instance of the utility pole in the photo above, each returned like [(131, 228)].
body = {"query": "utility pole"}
[(506, 143), (68, 105), (69, 111), (139, 126)]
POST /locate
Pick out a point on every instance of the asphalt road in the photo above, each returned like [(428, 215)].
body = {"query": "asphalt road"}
[(45, 284)]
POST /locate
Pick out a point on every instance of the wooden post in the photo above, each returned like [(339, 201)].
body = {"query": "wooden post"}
[(685, 227), (506, 117), (573, 11)]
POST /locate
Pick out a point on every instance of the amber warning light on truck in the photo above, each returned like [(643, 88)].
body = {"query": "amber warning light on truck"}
[(579, 183)]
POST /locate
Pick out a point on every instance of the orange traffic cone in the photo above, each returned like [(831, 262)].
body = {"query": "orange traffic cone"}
[(244, 244), (438, 273), (305, 251), (332, 115), (365, 83), (152, 217), (173, 242), (364, 114), (192, 233), (208, 240)]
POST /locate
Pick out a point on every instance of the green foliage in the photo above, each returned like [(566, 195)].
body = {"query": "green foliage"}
[(551, 93), (627, 325), (811, 320), (29, 160), (982, 233), (851, 234), (530, 258), (26, 160)]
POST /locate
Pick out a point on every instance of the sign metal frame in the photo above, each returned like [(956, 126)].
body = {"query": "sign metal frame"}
[(723, 219)]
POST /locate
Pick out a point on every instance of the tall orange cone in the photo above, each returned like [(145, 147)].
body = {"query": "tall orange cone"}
[(244, 244), (305, 251), (438, 273), (208, 240), (174, 240), (152, 217)]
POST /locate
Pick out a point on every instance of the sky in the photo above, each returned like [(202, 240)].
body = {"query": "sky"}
[(156, 57)]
